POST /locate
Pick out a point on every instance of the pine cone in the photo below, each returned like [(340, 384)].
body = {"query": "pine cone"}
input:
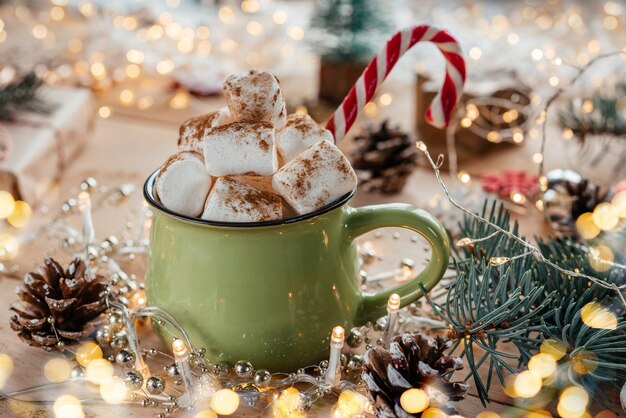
[(383, 159), (412, 361), (57, 305), (585, 197)]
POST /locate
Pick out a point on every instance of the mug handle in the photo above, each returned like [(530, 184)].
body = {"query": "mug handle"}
[(364, 219)]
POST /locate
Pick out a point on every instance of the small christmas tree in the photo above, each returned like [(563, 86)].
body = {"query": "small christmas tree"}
[(347, 34)]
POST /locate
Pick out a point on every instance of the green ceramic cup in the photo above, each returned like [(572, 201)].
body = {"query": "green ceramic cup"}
[(271, 292)]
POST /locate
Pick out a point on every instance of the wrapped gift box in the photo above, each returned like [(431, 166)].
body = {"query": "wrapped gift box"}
[(44, 144), (469, 145)]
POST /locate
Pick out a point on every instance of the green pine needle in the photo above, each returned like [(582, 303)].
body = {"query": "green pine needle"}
[(20, 96)]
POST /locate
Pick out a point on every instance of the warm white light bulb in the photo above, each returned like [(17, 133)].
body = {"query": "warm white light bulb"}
[(393, 304)]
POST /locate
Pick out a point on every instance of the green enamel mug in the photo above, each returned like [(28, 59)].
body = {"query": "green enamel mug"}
[(271, 292)]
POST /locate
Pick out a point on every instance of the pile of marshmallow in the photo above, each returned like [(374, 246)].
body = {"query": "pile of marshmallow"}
[(250, 162)]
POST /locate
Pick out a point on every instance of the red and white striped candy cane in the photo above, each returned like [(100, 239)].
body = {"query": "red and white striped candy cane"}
[(439, 112)]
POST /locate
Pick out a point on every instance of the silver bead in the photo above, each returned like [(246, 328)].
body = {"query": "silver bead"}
[(243, 369), (104, 334), (60, 344), (172, 370), (77, 372), (380, 324), (152, 352), (133, 380), (145, 403), (262, 378), (115, 319), (250, 395), (155, 385), (222, 370), (88, 184), (324, 364), (125, 358), (355, 338), (407, 262), (119, 341), (355, 363), (368, 255)]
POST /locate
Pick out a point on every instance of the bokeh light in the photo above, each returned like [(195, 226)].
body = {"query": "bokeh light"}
[(7, 204), (99, 371), (113, 391), (434, 413), (57, 370), (542, 365), (88, 352), (68, 406), (351, 403), (488, 414), (9, 247), (414, 401), (225, 402), (619, 202), (21, 214), (206, 413), (601, 258), (594, 315), (6, 368), (584, 362), (586, 227), (527, 384), (606, 216), (540, 413), (573, 402)]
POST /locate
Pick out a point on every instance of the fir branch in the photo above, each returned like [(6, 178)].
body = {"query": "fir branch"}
[(20, 96), (525, 302), (606, 118)]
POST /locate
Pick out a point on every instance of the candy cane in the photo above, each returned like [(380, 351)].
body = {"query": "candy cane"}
[(438, 113)]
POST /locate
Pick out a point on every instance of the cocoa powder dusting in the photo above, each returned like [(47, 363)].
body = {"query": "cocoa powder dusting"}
[(250, 200), (176, 157)]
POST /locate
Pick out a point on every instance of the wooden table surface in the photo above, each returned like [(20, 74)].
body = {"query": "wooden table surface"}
[(131, 143)]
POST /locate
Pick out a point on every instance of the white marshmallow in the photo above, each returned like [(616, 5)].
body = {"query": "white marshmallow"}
[(183, 184), (232, 201), (241, 149), (255, 96), (264, 183), (315, 178), (192, 132), (299, 133)]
